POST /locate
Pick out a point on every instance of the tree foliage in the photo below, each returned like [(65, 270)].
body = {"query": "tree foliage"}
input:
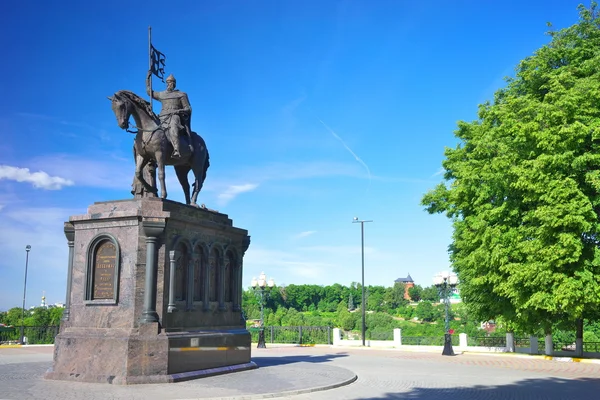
[(523, 188)]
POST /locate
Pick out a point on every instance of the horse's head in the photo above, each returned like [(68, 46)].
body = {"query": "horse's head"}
[(121, 106)]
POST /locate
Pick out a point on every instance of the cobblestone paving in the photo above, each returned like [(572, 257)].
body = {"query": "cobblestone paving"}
[(288, 372)]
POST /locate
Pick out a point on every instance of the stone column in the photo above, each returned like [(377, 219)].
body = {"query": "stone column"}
[(239, 283), (191, 276), (397, 337), (172, 307), (548, 348), (463, 341), (221, 279), (70, 234), (336, 337), (152, 229), (206, 283), (236, 287), (533, 345), (510, 342)]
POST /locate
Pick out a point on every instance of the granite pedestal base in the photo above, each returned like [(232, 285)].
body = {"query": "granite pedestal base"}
[(153, 295)]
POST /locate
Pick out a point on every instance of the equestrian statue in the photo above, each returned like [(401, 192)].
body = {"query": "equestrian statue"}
[(166, 139)]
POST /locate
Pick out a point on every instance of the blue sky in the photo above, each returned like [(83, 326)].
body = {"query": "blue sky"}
[(313, 112)]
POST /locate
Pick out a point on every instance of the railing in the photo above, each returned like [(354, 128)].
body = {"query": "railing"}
[(563, 346), (294, 334), (32, 335), (427, 340), (380, 335), (486, 341), (591, 347)]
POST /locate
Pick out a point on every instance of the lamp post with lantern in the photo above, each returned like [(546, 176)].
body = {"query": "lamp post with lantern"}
[(259, 286), (362, 254), (27, 249), (446, 282)]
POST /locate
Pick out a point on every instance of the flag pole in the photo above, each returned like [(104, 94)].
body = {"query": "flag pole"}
[(150, 62)]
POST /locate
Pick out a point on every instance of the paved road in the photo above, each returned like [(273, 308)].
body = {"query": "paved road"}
[(402, 375), (291, 372)]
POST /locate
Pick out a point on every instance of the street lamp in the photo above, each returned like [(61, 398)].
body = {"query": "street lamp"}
[(362, 252), (260, 285), (27, 249), (445, 282)]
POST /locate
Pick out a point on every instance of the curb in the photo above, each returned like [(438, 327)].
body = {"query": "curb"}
[(285, 393), (539, 357)]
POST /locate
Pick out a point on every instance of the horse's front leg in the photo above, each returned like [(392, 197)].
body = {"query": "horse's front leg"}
[(140, 163), (160, 165)]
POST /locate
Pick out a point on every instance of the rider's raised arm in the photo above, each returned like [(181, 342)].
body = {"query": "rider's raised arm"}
[(149, 90)]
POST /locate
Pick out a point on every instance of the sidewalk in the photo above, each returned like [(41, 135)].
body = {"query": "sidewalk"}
[(278, 375)]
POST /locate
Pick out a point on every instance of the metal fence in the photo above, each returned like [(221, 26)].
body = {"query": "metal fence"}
[(380, 335), (486, 341), (427, 340), (32, 335), (589, 347), (295, 334), (592, 347), (522, 342)]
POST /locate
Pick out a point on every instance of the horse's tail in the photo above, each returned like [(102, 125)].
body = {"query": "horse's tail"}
[(206, 165), (200, 143)]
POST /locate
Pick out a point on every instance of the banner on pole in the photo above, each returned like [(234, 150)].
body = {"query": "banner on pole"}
[(158, 60)]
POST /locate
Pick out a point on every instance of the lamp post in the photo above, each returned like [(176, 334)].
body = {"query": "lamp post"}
[(27, 249), (445, 282), (362, 252), (259, 286)]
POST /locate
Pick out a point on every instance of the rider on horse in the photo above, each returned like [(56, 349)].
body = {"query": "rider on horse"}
[(176, 112)]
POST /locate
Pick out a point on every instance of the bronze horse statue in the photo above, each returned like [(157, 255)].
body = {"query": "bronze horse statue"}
[(151, 146)]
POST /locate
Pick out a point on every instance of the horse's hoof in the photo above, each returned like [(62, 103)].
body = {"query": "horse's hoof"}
[(194, 205)]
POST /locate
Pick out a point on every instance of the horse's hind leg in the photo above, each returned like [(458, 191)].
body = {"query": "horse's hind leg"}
[(151, 169), (182, 174), (140, 163)]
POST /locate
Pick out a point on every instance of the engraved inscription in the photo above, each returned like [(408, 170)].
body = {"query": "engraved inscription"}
[(104, 271)]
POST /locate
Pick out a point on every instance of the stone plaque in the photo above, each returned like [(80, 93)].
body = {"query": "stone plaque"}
[(104, 269)]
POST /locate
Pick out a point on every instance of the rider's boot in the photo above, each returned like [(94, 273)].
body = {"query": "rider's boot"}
[(175, 142)]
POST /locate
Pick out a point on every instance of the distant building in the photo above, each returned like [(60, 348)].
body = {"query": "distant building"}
[(408, 283), (488, 326)]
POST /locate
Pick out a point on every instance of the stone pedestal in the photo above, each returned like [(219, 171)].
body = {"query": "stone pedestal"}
[(153, 295)]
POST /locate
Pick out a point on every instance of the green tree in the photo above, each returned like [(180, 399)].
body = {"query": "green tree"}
[(350, 303), (426, 312), (430, 293), (394, 296), (14, 315), (415, 293), (375, 298), (523, 188)]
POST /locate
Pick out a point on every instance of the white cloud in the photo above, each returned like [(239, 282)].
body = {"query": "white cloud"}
[(232, 191), (304, 234), (439, 172), (100, 171), (39, 179)]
